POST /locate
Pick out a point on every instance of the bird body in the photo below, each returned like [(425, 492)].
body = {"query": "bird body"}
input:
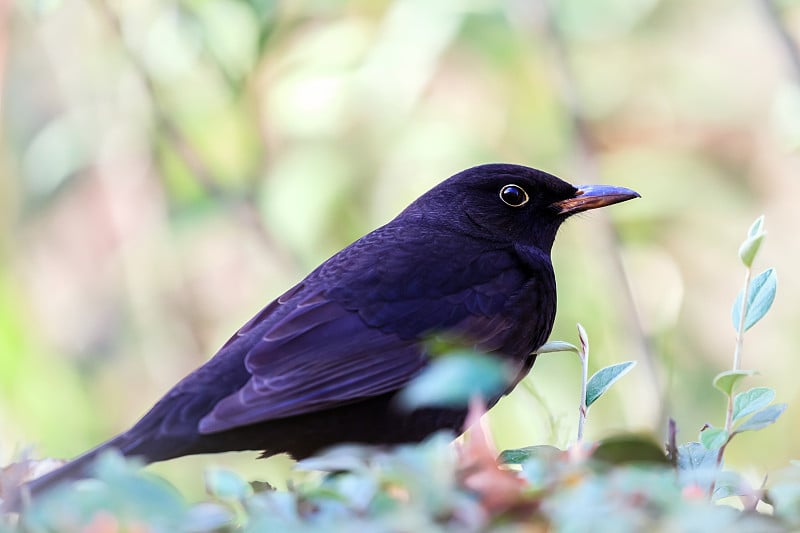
[(322, 363)]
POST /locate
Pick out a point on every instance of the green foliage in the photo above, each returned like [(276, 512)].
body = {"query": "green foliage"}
[(625, 482), (726, 381), (427, 487), (452, 379), (630, 449), (750, 401), (761, 294), (714, 438), (765, 417), (749, 248), (601, 381)]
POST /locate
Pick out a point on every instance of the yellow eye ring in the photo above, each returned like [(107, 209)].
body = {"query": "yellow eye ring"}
[(513, 195)]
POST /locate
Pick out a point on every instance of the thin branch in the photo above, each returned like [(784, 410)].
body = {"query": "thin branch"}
[(164, 121), (584, 356), (737, 353), (246, 209), (773, 17)]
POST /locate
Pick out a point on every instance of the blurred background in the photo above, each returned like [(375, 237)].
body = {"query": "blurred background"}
[(170, 166)]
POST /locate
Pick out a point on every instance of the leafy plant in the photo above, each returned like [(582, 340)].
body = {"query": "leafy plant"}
[(622, 483), (752, 409)]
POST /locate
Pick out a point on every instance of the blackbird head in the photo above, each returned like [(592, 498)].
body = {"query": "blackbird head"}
[(503, 202)]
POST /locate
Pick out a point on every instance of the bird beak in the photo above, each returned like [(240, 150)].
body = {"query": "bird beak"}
[(592, 197)]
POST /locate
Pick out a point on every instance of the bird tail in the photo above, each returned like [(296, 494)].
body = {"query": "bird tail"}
[(78, 468)]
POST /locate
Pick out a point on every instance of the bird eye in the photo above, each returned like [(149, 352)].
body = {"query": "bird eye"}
[(513, 195)]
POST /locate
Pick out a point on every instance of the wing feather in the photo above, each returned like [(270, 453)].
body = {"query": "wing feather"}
[(343, 335)]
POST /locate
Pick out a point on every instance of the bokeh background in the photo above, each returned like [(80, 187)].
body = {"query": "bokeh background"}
[(170, 166)]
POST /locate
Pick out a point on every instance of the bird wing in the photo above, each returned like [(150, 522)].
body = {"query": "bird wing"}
[(322, 345), (316, 357)]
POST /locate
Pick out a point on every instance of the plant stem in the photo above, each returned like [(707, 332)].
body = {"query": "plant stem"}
[(737, 354), (584, 355), (737, 363)]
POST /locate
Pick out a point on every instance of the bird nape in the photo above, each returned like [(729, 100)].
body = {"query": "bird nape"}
[(322, 363)]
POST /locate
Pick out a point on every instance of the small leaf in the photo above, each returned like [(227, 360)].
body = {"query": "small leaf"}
[(726, 381), (226, 485), (556, 346), (600, 382), (756, 227), (697, 465), (584, 338), (261, 486), (520, 455), (751, 401), (632, 448), (713, 438), (763, 418), (452, 380), (207, 517), (749, 249), (759, 299), (729, 484), (695, 456)]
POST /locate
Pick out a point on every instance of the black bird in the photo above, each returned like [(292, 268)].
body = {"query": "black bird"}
[(322, 364)]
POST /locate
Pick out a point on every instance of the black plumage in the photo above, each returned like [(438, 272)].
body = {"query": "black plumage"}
[(321, 364)]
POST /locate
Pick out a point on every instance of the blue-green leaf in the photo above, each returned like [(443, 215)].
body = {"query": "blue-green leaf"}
[(763, 418), (750, 401), (756, 227), (208, 517), (697, 465), (713, 438), (453, 379), (226, 484), (556, 346), (726, 381), (759, 299), (749, 249), (630, 448), (584, 338), (600, 382), (518, 456)]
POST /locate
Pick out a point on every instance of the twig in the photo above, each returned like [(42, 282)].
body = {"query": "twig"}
[(245, 205), (551, 419), (584, 356), (737, 353), (773, 17), (164, 121), (672, 442)]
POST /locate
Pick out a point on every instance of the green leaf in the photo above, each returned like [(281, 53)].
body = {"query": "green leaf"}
[(697, 465), (208, 517), (714, 438), (556, 346), (452, 380), (632, 448), (226, 485), (695, 456), (584, 338), (751, 401), (749, 249), (520, 455), (756, 227), (726, 381), (600, 382), (759, 299), (763, 418), (729, 484)]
